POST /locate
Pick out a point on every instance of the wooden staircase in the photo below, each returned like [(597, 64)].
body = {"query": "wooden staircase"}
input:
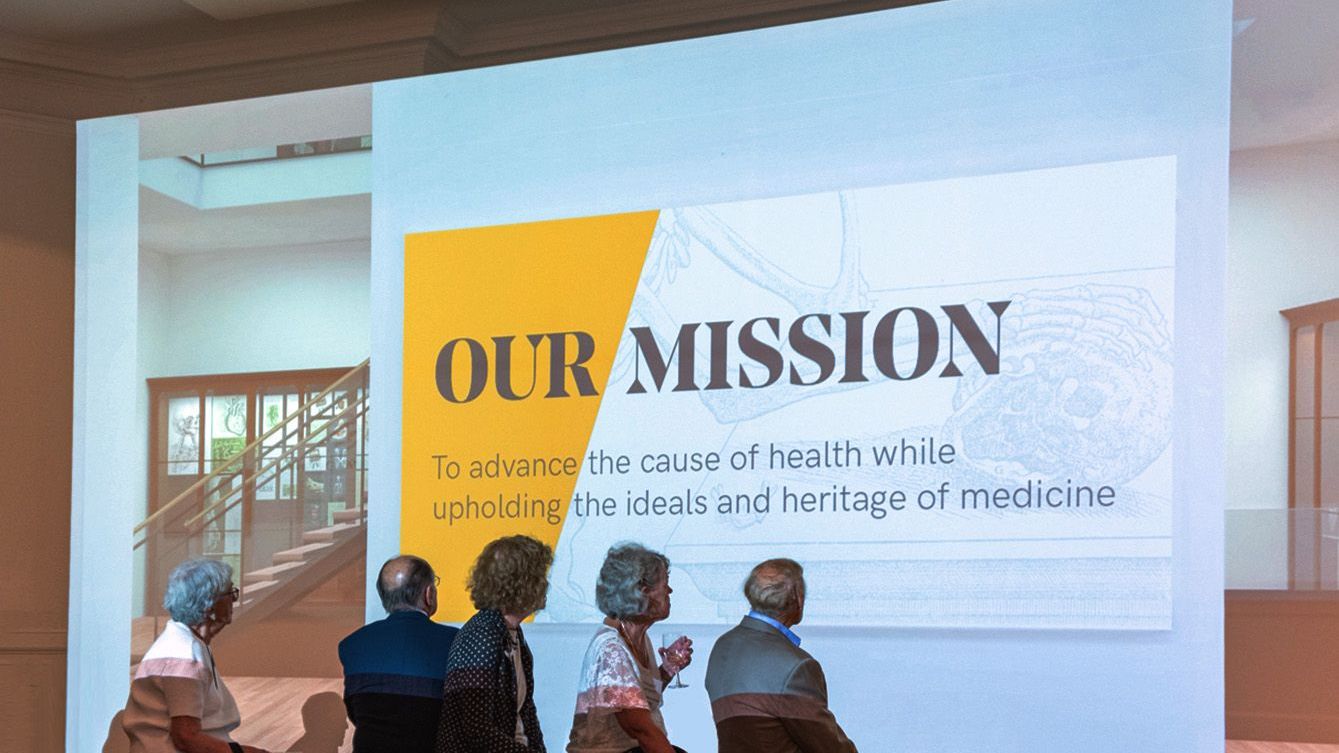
[(319, 451), (296, 572)]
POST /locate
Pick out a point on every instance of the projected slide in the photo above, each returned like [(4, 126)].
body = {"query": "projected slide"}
[(950, 400)]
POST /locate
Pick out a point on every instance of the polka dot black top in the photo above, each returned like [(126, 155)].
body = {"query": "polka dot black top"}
[(479, 697)]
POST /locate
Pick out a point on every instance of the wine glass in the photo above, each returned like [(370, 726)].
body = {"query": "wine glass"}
[(667, 641)]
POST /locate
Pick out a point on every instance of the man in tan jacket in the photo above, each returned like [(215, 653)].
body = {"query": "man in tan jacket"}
[(767, 694)]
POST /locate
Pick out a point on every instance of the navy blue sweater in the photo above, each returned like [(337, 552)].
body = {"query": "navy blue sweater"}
[(393, 671)]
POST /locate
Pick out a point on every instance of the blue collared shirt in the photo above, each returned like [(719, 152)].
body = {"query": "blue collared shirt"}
[(790, 635)]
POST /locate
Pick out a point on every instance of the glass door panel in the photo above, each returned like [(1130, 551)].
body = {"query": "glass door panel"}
[(183, 432), (226, 421), (275, 518), (225, 428)]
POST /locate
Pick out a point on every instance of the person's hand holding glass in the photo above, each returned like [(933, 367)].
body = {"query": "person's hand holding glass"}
[(676, 653)]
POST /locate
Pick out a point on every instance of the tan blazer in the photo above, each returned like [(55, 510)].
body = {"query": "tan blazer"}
[(769, 695)]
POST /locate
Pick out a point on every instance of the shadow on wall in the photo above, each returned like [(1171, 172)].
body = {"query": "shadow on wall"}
[(117, 741), (323, 723)]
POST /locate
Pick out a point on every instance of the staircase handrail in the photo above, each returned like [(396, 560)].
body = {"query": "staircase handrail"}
[(277, 465), (224, 465)]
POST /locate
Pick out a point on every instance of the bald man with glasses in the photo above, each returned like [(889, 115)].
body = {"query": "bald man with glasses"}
[(394, 668)]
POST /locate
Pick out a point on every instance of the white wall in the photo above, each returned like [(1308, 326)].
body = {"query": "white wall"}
[(1283, 252), (153, 314), (270, 309), (107, 463), (235, 311), (933, 91)]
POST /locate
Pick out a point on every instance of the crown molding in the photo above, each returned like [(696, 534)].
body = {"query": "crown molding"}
[(15, 49), (302, 72), (46, 90), (628, 24), (356, 30), (59, 93), (356, 43), (26, 122), (361, 43)]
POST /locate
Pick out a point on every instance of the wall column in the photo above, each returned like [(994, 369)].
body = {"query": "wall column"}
[(108, 463)]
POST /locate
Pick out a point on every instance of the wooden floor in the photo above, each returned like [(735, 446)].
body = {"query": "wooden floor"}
[(306, 715), (292, 714)]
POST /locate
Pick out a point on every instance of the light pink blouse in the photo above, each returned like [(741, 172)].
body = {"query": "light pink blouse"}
[(612, 680), (176, 678)]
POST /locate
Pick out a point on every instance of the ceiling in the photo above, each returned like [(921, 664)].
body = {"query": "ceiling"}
[(260, 121), (58, 20), (226, 10), (68, 20), (1285, 66), (168, 226), (1285, 63), (1285, 72)]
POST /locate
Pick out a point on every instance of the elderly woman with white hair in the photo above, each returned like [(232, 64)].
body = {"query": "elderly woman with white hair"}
[(178, 703), (618, 702)]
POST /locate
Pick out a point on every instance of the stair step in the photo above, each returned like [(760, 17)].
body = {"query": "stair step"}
[(301, 553), (256, 590), (350, 516), (270, 573), (331, 533)]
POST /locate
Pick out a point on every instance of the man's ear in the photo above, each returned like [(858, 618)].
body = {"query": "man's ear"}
[(430, 600)]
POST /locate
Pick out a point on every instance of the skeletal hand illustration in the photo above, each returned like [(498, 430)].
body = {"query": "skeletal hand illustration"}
[(1084, 389)]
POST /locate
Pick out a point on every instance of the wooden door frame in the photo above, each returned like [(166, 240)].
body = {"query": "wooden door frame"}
[(249, 384), (1316, 315)]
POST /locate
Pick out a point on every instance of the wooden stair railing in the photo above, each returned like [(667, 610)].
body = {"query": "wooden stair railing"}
[(275, 574), (358, 371)]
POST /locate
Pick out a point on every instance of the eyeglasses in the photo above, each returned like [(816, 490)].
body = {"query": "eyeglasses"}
[(436, 581), (234, 594)]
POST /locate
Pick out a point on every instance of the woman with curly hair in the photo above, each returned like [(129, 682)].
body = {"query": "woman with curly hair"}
[(488, 703), (618, 701)]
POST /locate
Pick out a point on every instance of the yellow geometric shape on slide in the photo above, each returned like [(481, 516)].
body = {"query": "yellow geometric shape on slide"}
[(558, 276)]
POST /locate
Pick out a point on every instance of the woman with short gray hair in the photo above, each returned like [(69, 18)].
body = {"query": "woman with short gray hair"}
[(178, 703), (619, 699)]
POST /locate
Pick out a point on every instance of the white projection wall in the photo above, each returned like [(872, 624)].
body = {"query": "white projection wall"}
[(967, 428), (941, 92), (1036, 496)]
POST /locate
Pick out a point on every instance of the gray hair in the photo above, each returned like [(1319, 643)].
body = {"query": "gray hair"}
[(628, 570), (775, 586), (403, 593), (193, 587)]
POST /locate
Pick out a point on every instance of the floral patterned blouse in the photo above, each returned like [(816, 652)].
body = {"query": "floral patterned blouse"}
[(612, 680)]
